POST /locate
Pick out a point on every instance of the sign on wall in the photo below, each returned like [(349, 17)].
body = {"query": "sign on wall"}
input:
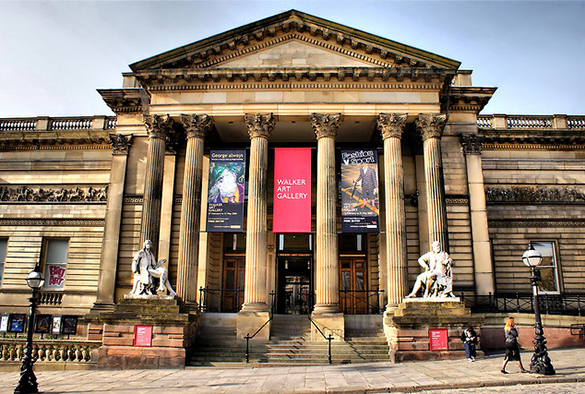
[(359, 191), (292, 190), (226, 193), (143, 336), (438, 339)]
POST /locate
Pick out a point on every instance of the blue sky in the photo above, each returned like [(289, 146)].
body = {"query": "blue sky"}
[(55, 54)]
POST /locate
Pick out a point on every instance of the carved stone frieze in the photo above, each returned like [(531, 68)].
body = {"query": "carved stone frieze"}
[(121, 143), (38, 194), (326, 125), (260, 125), (471, 143), (391, 125), (534, 194), (53, 222), (535, 223), (431, 125), (196, 126)]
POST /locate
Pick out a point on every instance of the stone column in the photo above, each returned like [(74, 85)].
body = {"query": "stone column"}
[(431, 128), (326, 248), (158, 127), (254, 313), (260, 127), (482, 257), (196, 126), (391, 126), (109, 256)]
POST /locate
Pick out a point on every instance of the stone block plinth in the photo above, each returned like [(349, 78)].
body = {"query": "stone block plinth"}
[(328, 323), (407, 328)]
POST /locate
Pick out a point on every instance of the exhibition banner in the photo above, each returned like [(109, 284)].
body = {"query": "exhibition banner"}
[(225, 197), (292, 190), (359, 191)]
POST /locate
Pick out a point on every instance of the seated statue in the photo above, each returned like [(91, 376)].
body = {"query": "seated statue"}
[(145, 268), (436, 277)]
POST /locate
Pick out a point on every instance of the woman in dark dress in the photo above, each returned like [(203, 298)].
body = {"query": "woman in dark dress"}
[(512, 350)]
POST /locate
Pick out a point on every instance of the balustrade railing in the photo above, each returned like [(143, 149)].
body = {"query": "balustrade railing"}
[(531, 122), (69, 123), (18, 124), (47, 350), (550, 304)]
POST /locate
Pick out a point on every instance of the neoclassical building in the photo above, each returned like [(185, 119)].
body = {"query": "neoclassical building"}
[(240, 157)]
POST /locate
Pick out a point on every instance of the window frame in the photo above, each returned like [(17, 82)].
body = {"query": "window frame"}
[(44, 264), (555, 266), (3, 259)]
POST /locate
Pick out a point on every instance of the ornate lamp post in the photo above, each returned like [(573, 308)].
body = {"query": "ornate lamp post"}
[(540, 362), (28, 380)]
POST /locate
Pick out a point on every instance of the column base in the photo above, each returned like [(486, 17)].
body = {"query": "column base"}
[(248, 322), (329, 324)]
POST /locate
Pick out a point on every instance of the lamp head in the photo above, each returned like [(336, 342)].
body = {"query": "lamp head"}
[(531, 258), (35, 279)]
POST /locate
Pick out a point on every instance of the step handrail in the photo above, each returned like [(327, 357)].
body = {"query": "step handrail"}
[(329, 338), (248, 337)]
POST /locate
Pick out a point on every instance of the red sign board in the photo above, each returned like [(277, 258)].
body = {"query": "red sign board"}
[(292, 190), (143, 336), (438, 339)]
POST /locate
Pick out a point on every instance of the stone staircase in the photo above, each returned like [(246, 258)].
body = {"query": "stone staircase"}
[(290, 343)]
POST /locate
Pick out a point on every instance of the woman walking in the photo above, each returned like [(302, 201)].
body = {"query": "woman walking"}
[(512, 350)]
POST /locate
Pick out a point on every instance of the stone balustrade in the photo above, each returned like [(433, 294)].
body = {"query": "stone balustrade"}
[(47, 350), (531, 122), (47, 123)]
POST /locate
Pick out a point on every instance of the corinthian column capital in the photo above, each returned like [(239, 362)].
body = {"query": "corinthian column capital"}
[(120, 143), (471, 143), (391, 125), (431, 125), (326, 125), (196, 126), (260, 125), (158, 126)]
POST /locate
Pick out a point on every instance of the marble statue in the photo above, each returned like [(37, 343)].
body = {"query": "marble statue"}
[(145, 268), (437, 275)]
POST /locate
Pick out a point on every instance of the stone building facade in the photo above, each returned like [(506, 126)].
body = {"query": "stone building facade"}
[(81, 195)]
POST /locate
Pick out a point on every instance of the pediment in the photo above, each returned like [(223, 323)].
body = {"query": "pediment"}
[(294, 38)]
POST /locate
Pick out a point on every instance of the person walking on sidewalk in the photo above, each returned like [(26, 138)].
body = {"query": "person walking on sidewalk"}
[(469, 339), (512, 350)]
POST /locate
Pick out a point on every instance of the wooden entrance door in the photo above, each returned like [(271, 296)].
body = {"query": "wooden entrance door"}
[(234, 273), (353, 297)]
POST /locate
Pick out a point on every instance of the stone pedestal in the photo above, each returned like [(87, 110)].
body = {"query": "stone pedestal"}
[(407, 328), (328, 323), (250, 322), (173, 332)]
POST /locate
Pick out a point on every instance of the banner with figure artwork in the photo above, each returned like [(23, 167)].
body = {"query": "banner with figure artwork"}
[(292, 190), (359, 191), (225, 197)]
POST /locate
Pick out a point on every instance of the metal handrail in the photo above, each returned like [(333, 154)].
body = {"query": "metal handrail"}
[(329, 338), (248, 337), (353, 295), (551, 304)]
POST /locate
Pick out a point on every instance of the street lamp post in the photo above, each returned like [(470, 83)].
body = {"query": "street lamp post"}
[(28, 380), (540, 362)]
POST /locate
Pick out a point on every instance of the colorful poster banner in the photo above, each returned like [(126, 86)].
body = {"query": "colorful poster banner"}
[(359, 191), (292, 190), (225, 197)]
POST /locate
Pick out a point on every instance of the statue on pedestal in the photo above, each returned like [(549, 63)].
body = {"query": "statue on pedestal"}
[(437, 276), (145, 268)]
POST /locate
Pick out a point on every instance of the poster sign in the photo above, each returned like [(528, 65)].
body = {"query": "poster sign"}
[(143, 336), (438, 339), (43, 324), (55, 276), (56, 325), (4, 323), (359, 191), (292, 190), (69, 325), (16, 323), (225, 197)]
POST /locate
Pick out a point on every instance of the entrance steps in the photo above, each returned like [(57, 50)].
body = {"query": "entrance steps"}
[(290, 344)]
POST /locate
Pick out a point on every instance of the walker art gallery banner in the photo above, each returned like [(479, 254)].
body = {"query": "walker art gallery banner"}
[(225, 201), (359, 191), (292, 190)]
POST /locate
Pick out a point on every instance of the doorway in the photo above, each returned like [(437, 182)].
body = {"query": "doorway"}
[(295, 289), (232, 292), (353, 295)]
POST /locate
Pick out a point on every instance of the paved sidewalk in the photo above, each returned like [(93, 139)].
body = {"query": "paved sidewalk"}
[(349, 378)]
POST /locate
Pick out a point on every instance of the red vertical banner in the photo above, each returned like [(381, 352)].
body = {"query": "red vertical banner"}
[(292, 190)]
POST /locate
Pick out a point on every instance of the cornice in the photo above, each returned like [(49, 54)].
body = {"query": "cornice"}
[(469, 98), (530, 139), (122, 100)]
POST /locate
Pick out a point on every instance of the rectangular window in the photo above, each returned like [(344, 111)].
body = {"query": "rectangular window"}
[(55, 263), (548, 268), (3, 247)]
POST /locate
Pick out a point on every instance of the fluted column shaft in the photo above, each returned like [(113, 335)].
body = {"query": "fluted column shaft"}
[(391, 127), (158, 127), (431, 127), (196, 126), (260, 127), (326, 248)]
